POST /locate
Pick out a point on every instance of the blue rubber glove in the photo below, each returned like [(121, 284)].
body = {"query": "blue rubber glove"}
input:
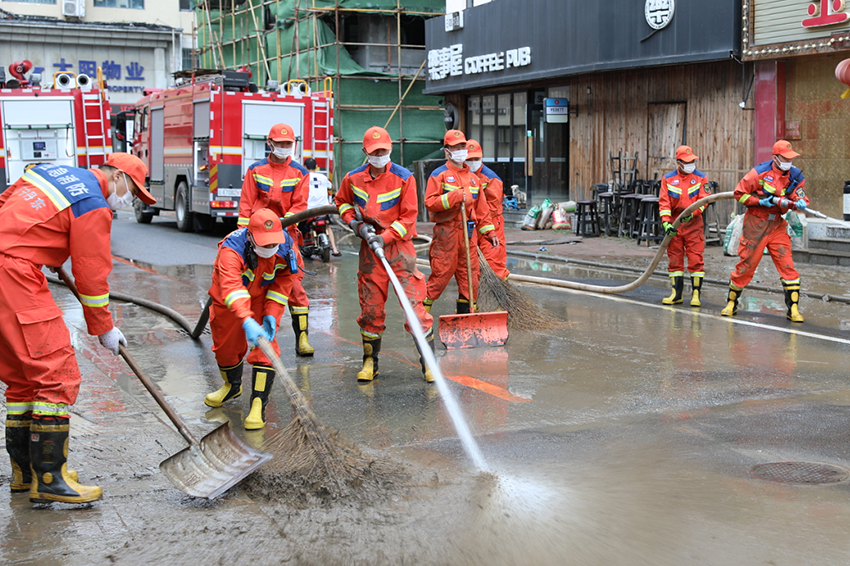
[(801, 205), (668, 229), (270, 326), (766, 201), (253, 330)]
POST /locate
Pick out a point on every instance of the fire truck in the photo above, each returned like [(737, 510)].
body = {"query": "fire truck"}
[(199, 138), (64, 122)]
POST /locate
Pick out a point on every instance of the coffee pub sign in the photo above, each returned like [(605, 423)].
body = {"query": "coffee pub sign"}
[(784, 28)]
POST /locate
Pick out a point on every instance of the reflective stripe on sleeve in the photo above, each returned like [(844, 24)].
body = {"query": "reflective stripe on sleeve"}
[(236, 295), (94, 301), (398, 227), (277, 297)]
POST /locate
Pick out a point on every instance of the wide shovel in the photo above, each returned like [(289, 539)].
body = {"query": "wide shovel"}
[(207, 468), (474, 329)]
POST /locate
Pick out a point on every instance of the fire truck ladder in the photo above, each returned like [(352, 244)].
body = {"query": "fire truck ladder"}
[(93, 114), (322, 131)]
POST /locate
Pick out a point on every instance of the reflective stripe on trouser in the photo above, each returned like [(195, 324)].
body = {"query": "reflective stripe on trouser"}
[(448, 259), (760, 232), (691, 241), (37, 361), (298, 301), (373, 282), (496, 257), (229, 341)]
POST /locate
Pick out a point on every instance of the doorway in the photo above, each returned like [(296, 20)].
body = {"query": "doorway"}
[(666, 130)]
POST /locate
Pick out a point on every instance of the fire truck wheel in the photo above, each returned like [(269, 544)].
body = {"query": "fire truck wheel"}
[(181, 208), (141, 217)]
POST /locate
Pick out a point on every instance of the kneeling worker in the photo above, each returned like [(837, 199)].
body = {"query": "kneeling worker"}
[(252, 278), (378, 201)]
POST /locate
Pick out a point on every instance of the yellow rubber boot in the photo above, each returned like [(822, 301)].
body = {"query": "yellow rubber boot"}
[(231, 389), (427, 303), (371, 349), (263, 378), (731, 308), (677, 282), (299, 325), (696, 287), (51, 480), (426, 371), (792, 301)]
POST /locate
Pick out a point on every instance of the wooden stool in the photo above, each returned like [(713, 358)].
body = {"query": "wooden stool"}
[(587, 218), (650, 222), (628, 205)]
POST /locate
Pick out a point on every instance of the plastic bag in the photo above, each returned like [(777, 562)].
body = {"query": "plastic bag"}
[(560, 219), (530, 220), (731, 242), (796, 229), (569, 206)]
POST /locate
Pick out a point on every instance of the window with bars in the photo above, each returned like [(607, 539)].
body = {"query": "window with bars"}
[(134, 4), (189, 61)]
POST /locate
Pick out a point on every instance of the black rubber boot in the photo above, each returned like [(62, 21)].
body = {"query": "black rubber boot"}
[(462, 306), (426, 372), (731, 308), (299, 325), (371, 349), (48, 459), (677, 282), (18, 448), (262, 379), (231, 389), (792, 301)]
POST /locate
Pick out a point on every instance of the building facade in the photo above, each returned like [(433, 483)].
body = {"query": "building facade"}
[(137, 43), (552, 88)]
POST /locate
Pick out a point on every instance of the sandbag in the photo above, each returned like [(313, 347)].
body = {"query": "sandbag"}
[(560, 219), (530, 220), (545, 214)]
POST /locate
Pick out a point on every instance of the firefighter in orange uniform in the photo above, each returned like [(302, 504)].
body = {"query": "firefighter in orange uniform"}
[(50, 214), (680, 189), (449, 187), (494, 191), (282, 185), (765, 227), (252, 278), (378, 201)]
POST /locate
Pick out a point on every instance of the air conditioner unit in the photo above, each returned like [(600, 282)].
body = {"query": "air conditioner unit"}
[(74, 8)]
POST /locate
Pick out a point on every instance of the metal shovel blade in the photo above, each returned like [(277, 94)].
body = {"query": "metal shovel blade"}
[(214, 465), (473, 330)]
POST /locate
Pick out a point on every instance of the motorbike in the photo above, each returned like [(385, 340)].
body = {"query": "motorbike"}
[(316, 239)]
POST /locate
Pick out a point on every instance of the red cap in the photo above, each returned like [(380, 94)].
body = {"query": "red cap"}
[(376, 138), (454, 137), (473, 149), (783, 148), (282, 132), (686, 154), (265, 228), (135, 169)]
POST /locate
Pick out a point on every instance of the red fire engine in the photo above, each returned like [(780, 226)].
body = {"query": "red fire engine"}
[(65, 122), (199, 138)]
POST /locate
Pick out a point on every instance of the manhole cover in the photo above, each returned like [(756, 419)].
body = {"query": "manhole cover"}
[(800, 472)]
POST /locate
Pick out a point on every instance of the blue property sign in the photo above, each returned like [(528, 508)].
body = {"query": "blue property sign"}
[(134, 71)]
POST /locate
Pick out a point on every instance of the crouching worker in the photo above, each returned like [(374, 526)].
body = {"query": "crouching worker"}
[(48, 215), (378, 201), (252, 279)]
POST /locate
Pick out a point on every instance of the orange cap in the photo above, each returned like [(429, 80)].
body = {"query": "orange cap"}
[(282, 132), (686, 154), (473, 149), (454, 137), (783, 148), (265, 228), (376, 138), (135, 169)]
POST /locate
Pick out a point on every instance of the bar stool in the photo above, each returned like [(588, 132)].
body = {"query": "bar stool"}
[(635, 223), (606, 208), (587, 218), (650, 221), (628, 205)]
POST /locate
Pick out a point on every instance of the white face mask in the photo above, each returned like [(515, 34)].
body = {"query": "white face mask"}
[(689, 168), (474, 165), (282, 152), (265, 253), (784, 165), (115, 202), (379, 161), (458, 156)]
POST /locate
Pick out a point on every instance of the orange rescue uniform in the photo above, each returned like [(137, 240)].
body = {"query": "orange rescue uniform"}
[(494, 191), (678, 192), (50, 214), (389, 203), (239, 292)]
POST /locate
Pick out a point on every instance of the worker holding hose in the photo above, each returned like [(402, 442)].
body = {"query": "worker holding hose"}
[(253, 275), (449, 187), (282, 185), (680, 189), (378, 201), (768, 191), (494, 192), (50, 214)]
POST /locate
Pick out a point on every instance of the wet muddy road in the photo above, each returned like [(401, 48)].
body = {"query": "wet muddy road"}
[(626, 437)]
